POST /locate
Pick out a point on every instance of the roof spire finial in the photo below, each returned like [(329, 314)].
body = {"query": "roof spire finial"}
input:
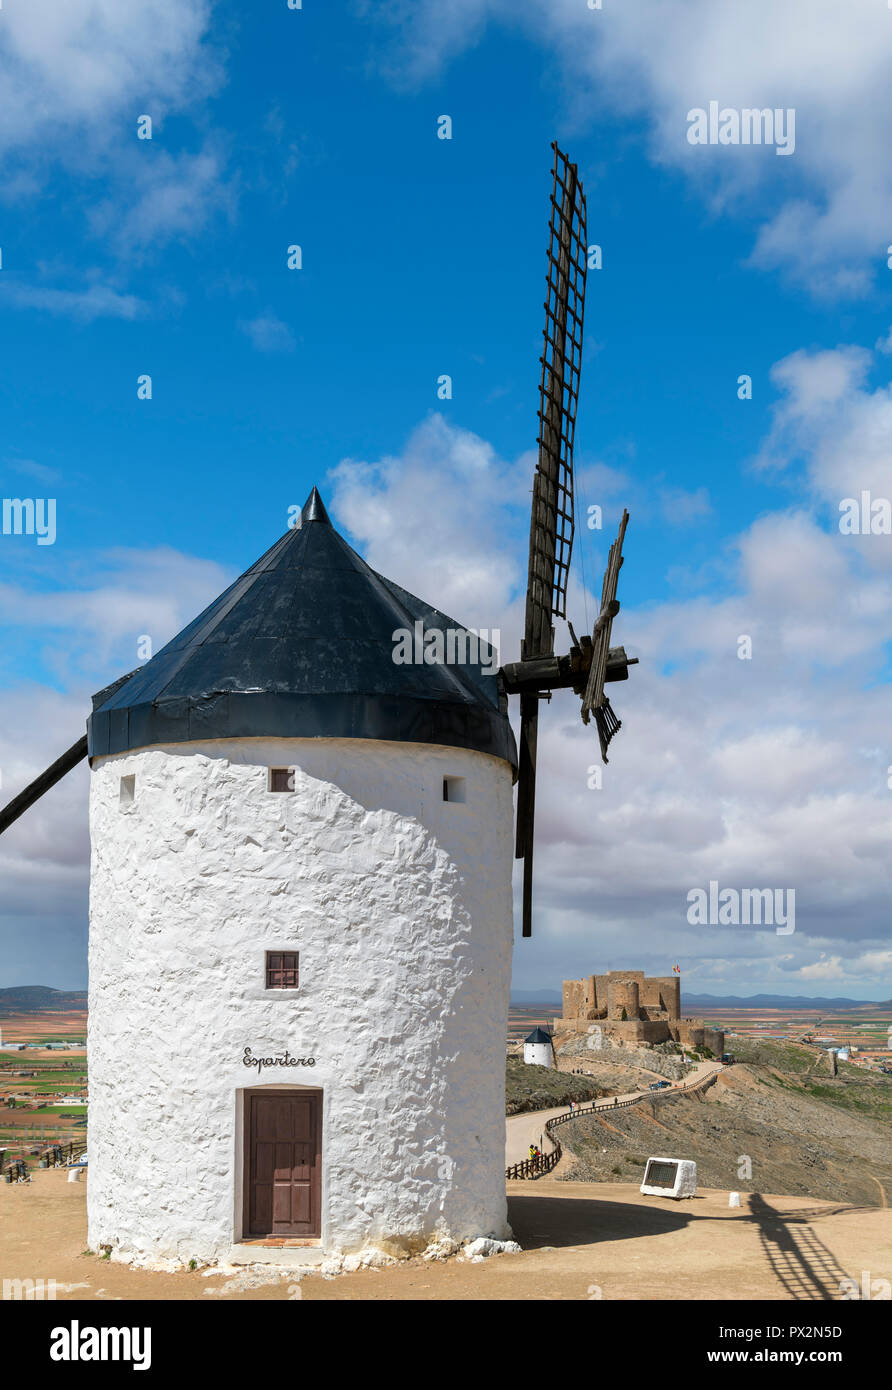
[(314, 508)]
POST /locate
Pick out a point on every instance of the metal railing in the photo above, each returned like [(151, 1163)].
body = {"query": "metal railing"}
[(536, 1167)]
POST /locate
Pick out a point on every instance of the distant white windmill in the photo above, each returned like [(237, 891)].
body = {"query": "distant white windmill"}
[(538, 1048)]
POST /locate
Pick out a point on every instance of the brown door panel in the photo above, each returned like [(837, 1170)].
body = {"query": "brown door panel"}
[(283, 1164)]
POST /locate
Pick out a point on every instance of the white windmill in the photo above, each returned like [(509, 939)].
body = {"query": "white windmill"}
[(300, 899)]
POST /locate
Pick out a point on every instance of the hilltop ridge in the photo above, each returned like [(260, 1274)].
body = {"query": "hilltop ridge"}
[(37, 999)]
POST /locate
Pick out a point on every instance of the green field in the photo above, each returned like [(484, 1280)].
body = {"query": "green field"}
[(41, 1088), (58, 1121), (68, 1076)]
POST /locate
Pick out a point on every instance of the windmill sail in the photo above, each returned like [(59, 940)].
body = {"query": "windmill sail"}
[(57, 770), (551, 519), (35, 790), (594, 701)]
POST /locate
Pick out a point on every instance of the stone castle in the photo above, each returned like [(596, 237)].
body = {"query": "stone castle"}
[(635, 1008)]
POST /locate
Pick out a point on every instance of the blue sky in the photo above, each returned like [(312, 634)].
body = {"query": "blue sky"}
[(422, 256)]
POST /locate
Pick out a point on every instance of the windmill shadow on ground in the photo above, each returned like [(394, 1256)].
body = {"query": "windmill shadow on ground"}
[(799, 1259)]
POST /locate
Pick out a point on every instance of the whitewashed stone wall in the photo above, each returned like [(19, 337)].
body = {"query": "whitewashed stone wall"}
[(400, 906)]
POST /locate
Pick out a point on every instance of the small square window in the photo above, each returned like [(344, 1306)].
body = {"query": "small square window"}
[(282, 969), (281, 779), (454, 789), (128, 790)]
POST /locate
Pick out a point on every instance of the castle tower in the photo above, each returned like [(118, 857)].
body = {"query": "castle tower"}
[(300, 924), (622, 994)]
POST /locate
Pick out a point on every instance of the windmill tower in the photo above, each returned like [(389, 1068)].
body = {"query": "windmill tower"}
[(300, 895), (538, 1048), (277, 874)]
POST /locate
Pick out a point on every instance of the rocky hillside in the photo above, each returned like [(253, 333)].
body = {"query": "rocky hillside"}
[(616, 1068), (540, 1088), (776, 1115)]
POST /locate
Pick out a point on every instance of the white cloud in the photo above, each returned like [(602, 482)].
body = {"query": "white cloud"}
[(87, 636), (94, 302), (268, 333), (680, 507), (132, 593), (839, 429), (76, 77), (32, 469), (163, 197), (827, 968), (826, 210), (72, 72), (438, 520)]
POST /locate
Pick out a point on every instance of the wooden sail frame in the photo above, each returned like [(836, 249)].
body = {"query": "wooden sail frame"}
[(552, 518)]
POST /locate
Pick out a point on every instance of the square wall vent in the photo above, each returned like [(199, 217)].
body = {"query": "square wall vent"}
[(454, 789)]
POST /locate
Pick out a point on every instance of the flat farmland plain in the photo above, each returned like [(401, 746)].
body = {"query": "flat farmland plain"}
[(52, 1025), (37, 1115), (866, 1027)]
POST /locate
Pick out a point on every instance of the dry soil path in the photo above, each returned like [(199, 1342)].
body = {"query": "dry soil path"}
[(580, 1241)]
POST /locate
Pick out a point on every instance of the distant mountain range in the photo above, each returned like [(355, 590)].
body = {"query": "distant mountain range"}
[(543, 997), (37, 999), (776, 1001)]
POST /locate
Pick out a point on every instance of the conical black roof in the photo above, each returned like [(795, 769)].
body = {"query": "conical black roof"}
[(538, 1035), (301, 646)]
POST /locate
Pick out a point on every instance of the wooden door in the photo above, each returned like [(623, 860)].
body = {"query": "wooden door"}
[(283, 1163)]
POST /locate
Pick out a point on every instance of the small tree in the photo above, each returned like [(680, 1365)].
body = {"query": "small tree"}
[(624, 1017)]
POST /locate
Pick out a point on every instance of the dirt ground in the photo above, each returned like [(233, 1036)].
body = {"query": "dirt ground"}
[(585, 1241)]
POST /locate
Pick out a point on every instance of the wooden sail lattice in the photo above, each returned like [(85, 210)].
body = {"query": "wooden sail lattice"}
[(594, 701), (552, 521)]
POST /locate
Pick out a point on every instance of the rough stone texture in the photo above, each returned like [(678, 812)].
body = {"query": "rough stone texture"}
[(481, 1249), (597, 1050), (400, 906), (693, 1033), (622, 998)]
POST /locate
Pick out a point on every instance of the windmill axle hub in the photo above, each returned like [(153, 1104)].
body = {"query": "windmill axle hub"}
[(563, 672)]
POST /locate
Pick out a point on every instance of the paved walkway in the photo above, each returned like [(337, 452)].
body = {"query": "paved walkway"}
[(529, 1127)]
